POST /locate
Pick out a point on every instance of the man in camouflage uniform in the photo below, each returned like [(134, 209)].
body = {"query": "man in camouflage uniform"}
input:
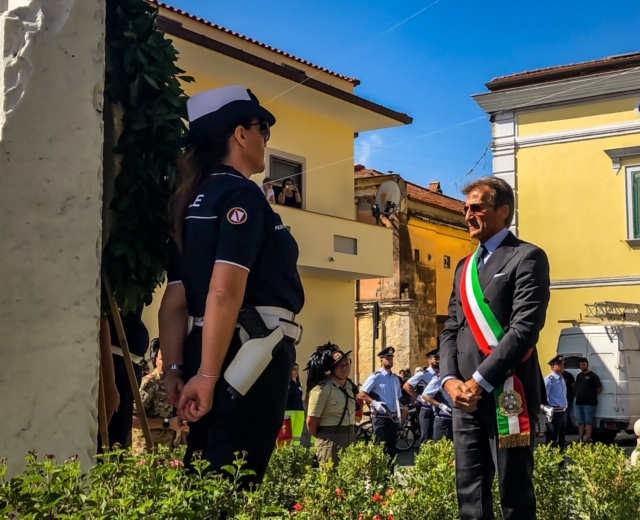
[(166, 428)]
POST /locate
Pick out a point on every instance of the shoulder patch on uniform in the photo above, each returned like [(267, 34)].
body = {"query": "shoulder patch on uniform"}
[(237, 215)]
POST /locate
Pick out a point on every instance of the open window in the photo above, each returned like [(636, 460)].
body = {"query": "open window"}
[(281, 166)]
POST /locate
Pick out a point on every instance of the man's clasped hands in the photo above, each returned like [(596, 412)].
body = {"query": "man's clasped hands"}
[(465, 395)]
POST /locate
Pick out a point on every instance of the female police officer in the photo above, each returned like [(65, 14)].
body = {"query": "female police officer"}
[(235, 254)]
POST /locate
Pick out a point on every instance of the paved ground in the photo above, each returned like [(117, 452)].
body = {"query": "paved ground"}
[(628, 442)]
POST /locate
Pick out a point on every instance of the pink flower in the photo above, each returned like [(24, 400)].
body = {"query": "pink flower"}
[(390, 516), (390, 492), (339, 492), (376, 497), (360, 516), (176, 463), (298, 507), (377, 517)]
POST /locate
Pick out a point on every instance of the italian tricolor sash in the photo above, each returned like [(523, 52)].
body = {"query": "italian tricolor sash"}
[(511, 407)]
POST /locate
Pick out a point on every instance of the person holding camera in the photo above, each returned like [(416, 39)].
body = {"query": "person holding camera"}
[(290, 195)]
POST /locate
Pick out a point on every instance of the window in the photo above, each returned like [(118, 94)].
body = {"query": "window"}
[(447, 262), (346, 245), (572, 362), (281, 166), (416, 255), (633, 202)]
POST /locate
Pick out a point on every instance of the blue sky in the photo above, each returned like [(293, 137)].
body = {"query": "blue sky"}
[(430, 65)]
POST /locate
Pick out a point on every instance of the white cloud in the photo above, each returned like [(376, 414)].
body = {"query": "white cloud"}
[(365, 146)]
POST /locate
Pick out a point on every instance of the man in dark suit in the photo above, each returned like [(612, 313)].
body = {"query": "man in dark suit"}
[(488, 358)]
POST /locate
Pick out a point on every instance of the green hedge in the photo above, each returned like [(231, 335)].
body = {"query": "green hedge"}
[(590, 482)]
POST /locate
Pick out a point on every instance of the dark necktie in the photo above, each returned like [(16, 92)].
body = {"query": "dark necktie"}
[(481, 256)]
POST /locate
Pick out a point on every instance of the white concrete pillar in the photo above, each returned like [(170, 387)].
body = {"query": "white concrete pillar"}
[(51, 93)]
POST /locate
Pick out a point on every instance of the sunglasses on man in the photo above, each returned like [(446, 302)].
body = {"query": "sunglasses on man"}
[(475, 208), (264, 129)]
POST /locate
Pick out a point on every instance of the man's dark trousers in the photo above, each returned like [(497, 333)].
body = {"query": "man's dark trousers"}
[(386, 432), (442, 429), (556, 428), (427, 418), (477, 458)]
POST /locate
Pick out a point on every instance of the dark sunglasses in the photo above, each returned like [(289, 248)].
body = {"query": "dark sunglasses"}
[(264, 129), (475, 208)]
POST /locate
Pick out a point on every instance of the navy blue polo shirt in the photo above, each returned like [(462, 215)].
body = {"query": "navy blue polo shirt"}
[(230, 221)]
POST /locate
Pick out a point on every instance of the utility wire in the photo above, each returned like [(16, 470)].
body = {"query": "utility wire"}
[(354, 51)]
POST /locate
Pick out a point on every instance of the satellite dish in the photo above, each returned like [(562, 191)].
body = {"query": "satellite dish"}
[(387, 200)]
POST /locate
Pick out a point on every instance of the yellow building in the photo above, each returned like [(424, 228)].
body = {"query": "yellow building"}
[(318, 115), (568, 139), (430, 238)]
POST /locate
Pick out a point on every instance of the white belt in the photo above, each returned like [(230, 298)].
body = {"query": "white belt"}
[(118, 352), (290, 329), (276, 311)]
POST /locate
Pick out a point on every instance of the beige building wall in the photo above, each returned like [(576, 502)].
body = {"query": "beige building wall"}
[(327, 316), (51, 139)]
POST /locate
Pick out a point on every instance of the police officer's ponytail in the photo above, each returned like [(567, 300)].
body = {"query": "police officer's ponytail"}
[(195, 163)]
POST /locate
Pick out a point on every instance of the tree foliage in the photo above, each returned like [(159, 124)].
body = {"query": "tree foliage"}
[(144, 80)]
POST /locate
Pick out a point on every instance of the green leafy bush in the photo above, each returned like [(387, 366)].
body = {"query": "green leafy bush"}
[(124, 486), (287, 469), (552, 484), (603, 486), (587, 482), (430, 485), (359, 487)]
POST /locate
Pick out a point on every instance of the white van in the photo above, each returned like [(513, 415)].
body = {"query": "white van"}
[(613, 351)]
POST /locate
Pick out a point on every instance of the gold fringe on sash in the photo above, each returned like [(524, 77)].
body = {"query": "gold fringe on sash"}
[(514, 440)]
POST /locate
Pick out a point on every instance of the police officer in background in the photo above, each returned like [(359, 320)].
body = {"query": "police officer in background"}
[(381, 391), (422, 379), (441, 405), (234, 255), (557, 398)]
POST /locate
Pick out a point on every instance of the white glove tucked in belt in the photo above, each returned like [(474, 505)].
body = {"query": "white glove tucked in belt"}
[(378, 406), (548, 411), (444, 409)]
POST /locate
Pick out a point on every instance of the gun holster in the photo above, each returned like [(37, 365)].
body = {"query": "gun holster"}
[(259, 341)]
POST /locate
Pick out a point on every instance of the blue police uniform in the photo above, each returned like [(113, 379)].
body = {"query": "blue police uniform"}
[(442, 425), (384, 386), (230, 221), (426, 416), (557, 398)]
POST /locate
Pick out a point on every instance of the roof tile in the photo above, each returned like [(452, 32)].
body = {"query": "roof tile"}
[(619, 62), (416, 192), (355, 81), (420, 194)]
